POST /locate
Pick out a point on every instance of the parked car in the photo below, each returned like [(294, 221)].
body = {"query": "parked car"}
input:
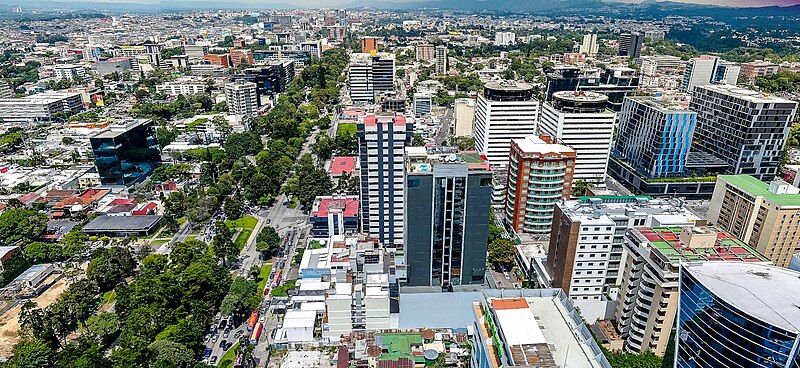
[(213, 360)]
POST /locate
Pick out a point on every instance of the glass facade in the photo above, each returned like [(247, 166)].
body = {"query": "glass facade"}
[(713, 333), (126, 157), (448, 229)]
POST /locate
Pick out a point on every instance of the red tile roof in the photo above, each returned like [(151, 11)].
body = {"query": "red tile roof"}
[(147, 208), (342, 164), (510, 303)]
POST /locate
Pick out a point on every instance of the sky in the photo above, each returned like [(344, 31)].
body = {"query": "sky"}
[(737, 3)]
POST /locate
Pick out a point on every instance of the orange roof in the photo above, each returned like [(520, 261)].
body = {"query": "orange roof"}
[(511, 303)]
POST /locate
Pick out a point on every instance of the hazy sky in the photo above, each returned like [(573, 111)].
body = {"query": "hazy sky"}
[(740, 3)]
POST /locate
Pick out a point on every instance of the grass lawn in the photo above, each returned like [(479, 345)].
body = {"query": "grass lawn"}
[(159, 241), (293, 202), (281, 290), (346, 128), (262, 277), (227, 360), (246, 222), (241, 239), (191, 237), (108, 297)]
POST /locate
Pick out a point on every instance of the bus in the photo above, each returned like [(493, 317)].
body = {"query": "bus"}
[(251, 322), (256, 333)]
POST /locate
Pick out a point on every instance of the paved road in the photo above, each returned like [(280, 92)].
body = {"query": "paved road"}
[(444, 127)]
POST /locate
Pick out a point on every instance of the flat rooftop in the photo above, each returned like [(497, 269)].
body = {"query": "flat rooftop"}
[(539, 333), (769, 293), (758, 188), (535, 144), (423, 159), (745, 94), (121, 223), (664, 104), (726, 248)]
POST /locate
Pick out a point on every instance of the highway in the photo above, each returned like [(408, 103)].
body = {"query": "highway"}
[(444, 127)]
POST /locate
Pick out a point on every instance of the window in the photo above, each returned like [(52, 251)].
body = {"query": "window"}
[(485, 182), (413, 183)]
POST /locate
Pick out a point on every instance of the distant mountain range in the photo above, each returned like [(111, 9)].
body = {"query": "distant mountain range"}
[(649, 8)]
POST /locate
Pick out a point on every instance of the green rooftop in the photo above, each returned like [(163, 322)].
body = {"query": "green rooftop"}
[(758, 188), (399, 345), (726, 248)]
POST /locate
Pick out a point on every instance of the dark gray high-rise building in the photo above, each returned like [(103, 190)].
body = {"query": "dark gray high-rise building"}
[(746, 129), (126, 153), (630, 44), (448, 200)]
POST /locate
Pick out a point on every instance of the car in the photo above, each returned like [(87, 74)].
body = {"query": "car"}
[(222, 343), (207, 353), (226, 334), (223, 323), (238, 334), (214, 338), (268, 221), (213, 360)]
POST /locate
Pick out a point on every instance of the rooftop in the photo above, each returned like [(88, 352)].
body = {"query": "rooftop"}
[(745, 94), (758, 188), (342, 164), (676, 249), (424, 159), (769, 293), (121, 223), (347, 205), (533, 144), (582, 96), (664, 104), (538, 330), (506, 85)]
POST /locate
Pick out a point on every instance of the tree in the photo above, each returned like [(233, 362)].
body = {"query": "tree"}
[(67, 140), (315, 183), (579, 187), (502, 253), (348, 184), (243, 144), (17, 224), (222, 246), (103, 326), (110, 266), (417, 140), (222, 127), (242, 297), (233, 208), (74, 243), (13, 267), (33, 353), (170, 354), (268, 242)]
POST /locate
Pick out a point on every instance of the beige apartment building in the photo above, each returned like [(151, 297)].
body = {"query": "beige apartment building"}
[(648, 301), (765, 216)]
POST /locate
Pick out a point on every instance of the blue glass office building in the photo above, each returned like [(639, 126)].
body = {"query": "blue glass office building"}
[(738, 314), (655, 136), (126, 153)]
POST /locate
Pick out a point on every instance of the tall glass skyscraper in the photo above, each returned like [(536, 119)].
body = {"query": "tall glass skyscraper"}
[(738, 314), (126, 153)]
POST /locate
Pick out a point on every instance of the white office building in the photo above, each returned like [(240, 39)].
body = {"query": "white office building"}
[(707, 69), (370, 76), (182, 86), (41, 107), (69, 71), (504, 111), (505, 39), (589, 45), (582, 121), (441, 60), (422, 104), (242, 97), (590, 233)]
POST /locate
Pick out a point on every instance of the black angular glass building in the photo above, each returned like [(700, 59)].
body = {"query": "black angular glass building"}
[(126, 153)]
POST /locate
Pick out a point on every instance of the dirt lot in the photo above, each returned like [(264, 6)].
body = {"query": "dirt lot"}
[(9, 322)]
